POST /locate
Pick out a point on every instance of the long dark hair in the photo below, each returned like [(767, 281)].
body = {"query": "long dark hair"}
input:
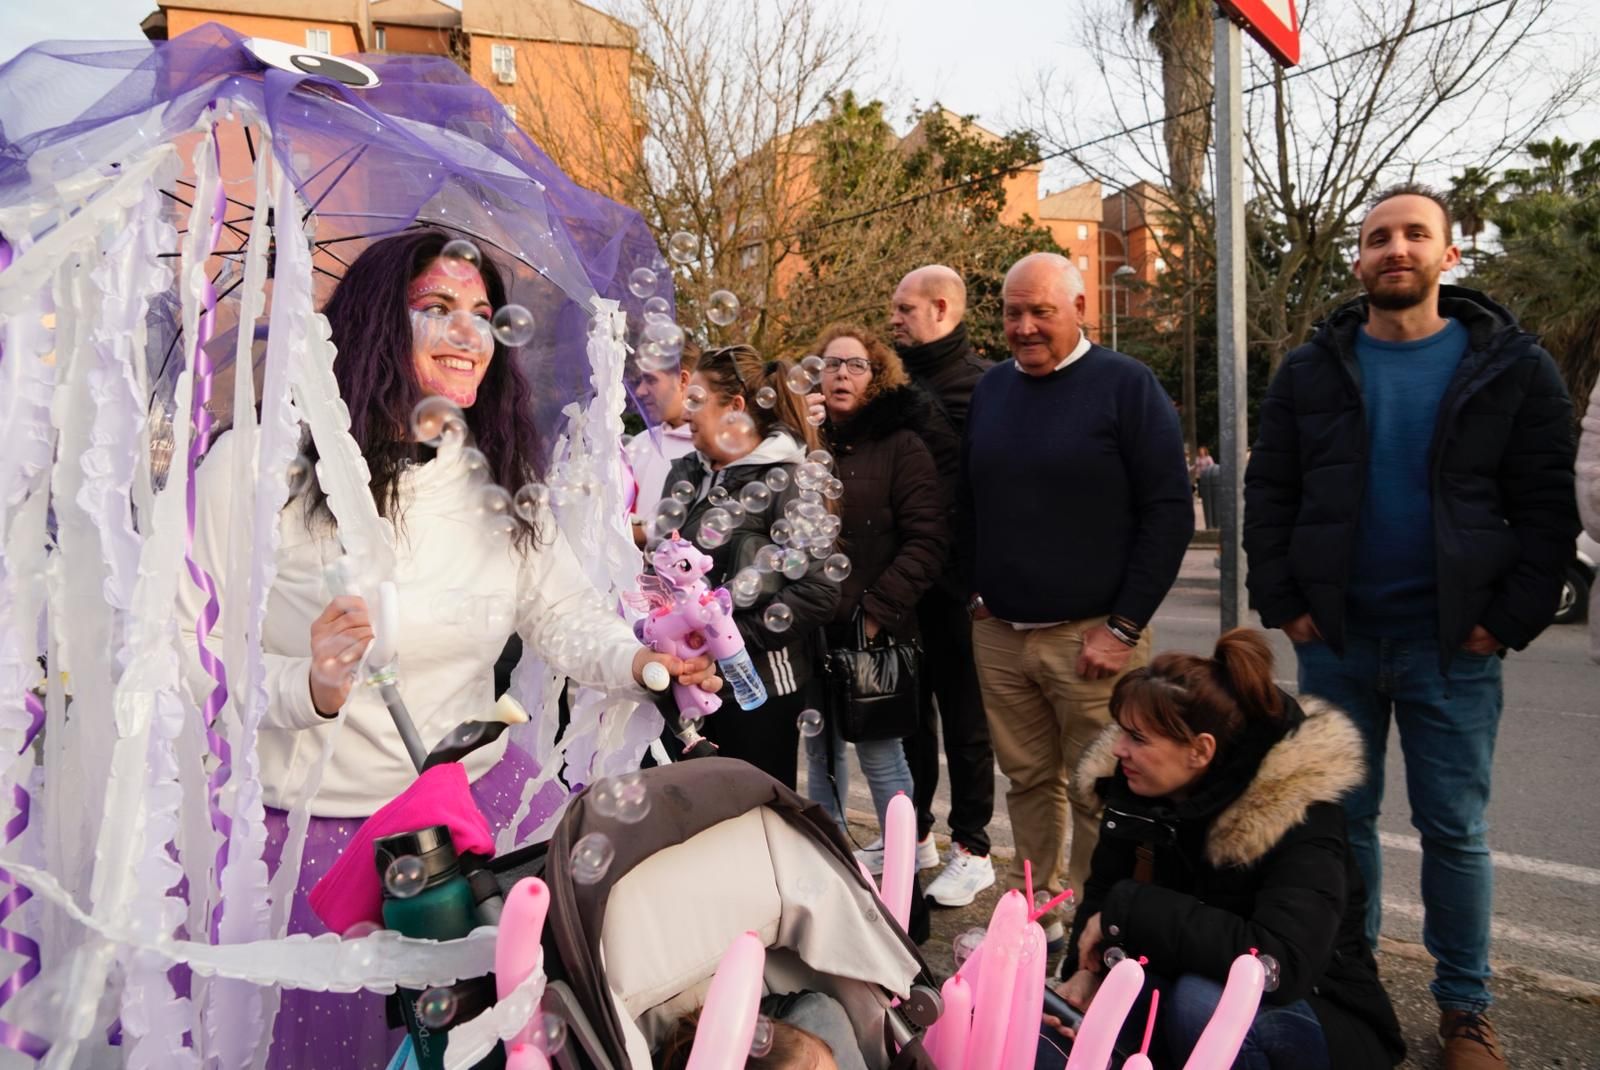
[(371, 324), (739, 371)]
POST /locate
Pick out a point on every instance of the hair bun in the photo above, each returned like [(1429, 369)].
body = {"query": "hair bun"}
[(1243, 660)]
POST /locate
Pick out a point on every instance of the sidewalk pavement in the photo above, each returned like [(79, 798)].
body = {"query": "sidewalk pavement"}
[(1544, 1021)]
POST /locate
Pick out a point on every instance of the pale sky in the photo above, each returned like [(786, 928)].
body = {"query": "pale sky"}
[(929, 50)]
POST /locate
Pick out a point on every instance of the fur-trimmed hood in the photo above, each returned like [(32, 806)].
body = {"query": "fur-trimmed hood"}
[(1318, 761), (901, 408)]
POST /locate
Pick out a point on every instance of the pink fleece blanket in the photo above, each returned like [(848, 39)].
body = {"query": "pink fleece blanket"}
[(352, 891)]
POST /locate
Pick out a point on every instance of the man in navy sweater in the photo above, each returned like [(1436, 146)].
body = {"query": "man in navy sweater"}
[(1409, 512), (1075, 512)]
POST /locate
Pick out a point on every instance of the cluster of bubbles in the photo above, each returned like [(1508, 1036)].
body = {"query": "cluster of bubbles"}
[(592, 857), (512, 325), (405, 877), (624, 798)]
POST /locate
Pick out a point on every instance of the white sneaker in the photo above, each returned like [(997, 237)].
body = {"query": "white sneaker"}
[(871, 855), (966, 875)]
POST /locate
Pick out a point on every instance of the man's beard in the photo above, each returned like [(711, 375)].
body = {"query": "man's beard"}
[(1397, 300)]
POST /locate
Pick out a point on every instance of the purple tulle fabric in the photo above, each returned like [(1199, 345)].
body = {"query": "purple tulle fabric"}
[(349, 1029), (425, 145)]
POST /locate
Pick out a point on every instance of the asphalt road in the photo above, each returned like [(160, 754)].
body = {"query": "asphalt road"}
[(1545, 814)]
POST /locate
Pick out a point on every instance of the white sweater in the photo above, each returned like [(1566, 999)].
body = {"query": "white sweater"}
[(462, 591)]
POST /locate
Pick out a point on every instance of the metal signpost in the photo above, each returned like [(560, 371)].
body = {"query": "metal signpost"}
[(1276, 25)]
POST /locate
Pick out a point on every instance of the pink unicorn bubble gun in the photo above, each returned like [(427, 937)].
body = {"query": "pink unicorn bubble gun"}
[(684, 617)]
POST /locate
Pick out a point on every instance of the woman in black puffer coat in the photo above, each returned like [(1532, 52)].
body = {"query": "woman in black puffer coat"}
[(894, 533), (739, 443), (1223, 832)]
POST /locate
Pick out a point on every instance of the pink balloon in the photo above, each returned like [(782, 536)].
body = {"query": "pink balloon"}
[(946, 1041), (1091, 1048), (1219, 1045), (1027, 1001), (517, 950), (525, 1057), (728, 1019), (991, 1000), (899, 857)]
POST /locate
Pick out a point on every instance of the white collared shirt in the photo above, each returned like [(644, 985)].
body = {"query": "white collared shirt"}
[(1077, 351)]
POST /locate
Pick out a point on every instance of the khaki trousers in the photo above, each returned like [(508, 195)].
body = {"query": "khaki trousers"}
[(1042, 715)]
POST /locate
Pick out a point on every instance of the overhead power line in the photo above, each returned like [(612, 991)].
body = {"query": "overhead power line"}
[(904, 202)]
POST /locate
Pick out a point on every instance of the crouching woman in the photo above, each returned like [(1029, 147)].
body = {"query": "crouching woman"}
[(1223, 832)]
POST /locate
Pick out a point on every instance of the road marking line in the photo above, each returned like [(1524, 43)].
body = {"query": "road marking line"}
[(1550, 942), (1539, 867)]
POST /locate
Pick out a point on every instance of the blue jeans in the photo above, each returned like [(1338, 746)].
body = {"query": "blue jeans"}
[(1281, 1038), (883, 761), (1447, 728)]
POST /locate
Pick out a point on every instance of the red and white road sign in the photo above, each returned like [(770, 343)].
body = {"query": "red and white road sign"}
[(1273, 23)]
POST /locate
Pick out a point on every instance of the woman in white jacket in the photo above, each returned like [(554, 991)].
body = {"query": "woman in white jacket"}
[(408, 324), (1589, 502)]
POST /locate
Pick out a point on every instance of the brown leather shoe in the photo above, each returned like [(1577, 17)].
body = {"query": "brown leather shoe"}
[(1469, 1042)]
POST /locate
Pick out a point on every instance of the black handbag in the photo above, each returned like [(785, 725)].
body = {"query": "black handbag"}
[(873, 690)]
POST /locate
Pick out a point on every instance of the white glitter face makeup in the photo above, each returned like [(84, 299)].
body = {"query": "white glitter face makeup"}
[(452, 341)]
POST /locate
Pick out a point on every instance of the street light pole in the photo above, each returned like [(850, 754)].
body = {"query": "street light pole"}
[(1121, 273)]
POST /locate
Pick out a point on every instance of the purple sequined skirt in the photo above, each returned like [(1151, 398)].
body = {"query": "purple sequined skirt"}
[(349, 1030)]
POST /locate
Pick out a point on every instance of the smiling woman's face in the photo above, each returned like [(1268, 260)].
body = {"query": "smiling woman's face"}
[(451, 343)]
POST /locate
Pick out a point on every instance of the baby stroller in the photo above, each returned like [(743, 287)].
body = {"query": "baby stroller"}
[(724, 849)]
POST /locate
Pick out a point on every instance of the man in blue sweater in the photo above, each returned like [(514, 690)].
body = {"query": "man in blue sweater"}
[(1409, 512), (1075, 512)]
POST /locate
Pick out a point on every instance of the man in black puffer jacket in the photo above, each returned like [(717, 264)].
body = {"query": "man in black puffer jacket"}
[(1409, 512)]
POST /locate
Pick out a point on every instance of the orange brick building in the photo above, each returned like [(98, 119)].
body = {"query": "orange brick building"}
[(560, 67), (1134, 233)]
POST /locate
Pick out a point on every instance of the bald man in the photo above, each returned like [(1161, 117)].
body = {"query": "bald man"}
[(925, 321), (1074, 514)]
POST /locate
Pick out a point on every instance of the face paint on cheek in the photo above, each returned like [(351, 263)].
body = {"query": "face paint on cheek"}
[(427, 337)]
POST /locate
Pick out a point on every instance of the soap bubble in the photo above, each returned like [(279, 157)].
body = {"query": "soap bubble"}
[(633, 799), (642, 282), (766, 397), (670, 515), (816, 417), (710, 538), (777, 618), (810, 723), (460, 258), (755, 497), (657, 308), (1113, 956), (717, 518), (512, 325), (722, 308), (683, 247), (602, 798), (683, 491), (667, 335), (1041, 899), (1272, 971), (436, 1007), (461, 331), (962, 947), (769, 558), (813, 364), (405, 877), (694, 398), (547, 1032), (833, 489), (434, 418), (301, 473), (592, 857), (651, 358), (736, 434), (761, 1038), (822, 457), (836, 568), (795, 564), (530, 501), (718, 495), (798, 380), (360, 930), (777, 480), (745, 587), (475, 463), (496, 510)]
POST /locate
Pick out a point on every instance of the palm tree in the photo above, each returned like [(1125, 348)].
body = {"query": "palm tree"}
[(1472, 197), (1181, 31)]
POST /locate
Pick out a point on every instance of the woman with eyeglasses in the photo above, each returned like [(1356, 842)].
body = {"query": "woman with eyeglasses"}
[(743, 481), (894, 533)]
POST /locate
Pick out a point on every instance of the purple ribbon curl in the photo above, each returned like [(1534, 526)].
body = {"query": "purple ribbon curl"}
[(14, 1036), (201, 415)]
